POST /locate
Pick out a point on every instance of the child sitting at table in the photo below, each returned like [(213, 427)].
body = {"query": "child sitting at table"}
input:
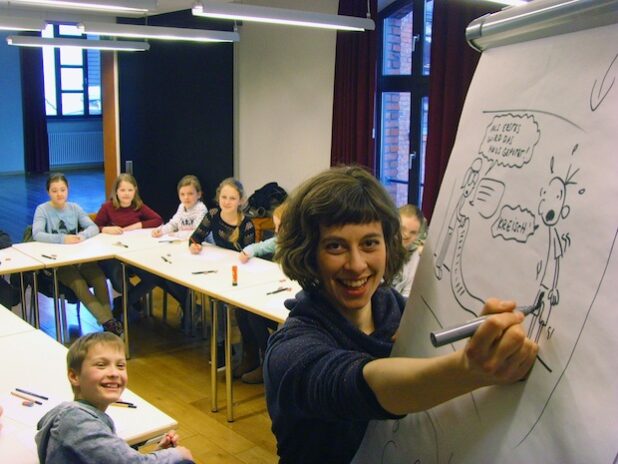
[(189, 214), (60, 221), (123, 212), (413, 234), (230, 229), (80, 431), (255, 328), (190, 211)]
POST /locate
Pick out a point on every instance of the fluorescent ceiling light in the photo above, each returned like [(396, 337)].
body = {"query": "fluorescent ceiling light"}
[(120, 6), (10, 23), (155, 32), (244, 12), (26, 41), (509, 2)]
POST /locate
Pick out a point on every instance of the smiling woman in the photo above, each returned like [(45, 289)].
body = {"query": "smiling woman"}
[(327, 371)]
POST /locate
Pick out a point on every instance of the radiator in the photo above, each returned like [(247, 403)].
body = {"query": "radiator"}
[(67, 148)]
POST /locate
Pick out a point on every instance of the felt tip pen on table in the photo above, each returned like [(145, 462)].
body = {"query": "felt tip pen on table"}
[(467, 329), (24, 397), (21, 390), (121, 244), (279, 290), (166, 260), (124, 405), (211, 271), (48, 257), (124, 402), (234, 275)]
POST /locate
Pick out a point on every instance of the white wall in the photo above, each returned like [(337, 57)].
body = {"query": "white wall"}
[(284, 91)]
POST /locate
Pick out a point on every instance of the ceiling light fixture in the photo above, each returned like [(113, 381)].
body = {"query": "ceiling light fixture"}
[(11, 23), (156, 32), (27, 41), (119, 6), (244, 12)]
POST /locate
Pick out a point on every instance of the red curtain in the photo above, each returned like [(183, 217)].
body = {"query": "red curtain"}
[(453, 63), (354, 91)]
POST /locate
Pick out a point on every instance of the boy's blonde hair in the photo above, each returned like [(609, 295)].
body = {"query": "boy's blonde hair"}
[(79, 348), (189, 180), (126, 177)]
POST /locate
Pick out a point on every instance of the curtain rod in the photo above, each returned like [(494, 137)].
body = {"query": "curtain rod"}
[(540, 18)]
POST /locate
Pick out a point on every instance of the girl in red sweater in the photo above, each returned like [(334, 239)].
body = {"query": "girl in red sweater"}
[(123, 212)]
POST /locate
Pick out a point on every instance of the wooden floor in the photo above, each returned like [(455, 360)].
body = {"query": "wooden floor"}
[(171, 370), (20, 194)]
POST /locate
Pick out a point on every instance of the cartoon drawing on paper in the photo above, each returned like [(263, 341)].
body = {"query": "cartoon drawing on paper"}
[(458, 227), (552, 208), (490, 227), (526, 208)]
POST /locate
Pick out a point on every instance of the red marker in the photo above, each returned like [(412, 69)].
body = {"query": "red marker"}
[(234, 275)]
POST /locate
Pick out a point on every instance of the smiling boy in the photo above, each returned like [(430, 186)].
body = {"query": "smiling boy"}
[(80, 431)]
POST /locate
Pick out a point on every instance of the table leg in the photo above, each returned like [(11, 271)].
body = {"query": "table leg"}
[(22, 289), (213, 356), (57, 307), (35, 289), (125, 303), (228, 365)]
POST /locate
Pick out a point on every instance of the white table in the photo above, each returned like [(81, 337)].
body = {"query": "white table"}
[(37, 363), (210, 273), (10, 324), (55, 255), (13, 261)]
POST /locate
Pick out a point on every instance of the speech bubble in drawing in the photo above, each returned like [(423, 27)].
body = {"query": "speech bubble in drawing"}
[(514, 223), (510, 139), (488, 196)]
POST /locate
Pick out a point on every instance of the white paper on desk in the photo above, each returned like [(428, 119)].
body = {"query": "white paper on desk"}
[(27, 415), (527, 205), (17, 445)]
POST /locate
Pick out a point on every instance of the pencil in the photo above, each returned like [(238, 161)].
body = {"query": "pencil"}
[(21, 390), (24, 397)]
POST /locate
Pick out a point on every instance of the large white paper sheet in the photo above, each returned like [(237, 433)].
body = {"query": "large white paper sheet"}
[(528, 205)]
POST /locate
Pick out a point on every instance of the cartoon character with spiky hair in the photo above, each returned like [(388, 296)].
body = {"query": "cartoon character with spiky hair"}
[(552, 209)]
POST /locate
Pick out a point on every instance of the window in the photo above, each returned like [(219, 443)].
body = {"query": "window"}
[(404, 31), (72, 76)]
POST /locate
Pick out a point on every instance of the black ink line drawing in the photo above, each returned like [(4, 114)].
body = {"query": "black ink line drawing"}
[(552, 209), (597, 96), (548, 113), (458, 225), (581, 330), (487, 191)]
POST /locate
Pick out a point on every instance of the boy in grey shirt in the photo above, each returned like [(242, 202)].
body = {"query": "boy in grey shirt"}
[(80, 431)]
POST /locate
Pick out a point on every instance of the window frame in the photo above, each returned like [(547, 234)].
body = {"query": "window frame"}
[(58, 66), (416, 84)]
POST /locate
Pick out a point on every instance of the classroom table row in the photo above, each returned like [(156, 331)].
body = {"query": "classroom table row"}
[(259, 285), (34, 362)]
